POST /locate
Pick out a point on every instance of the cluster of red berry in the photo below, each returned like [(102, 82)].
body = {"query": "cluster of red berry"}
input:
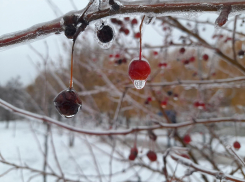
[(199, 105), (152, 156)]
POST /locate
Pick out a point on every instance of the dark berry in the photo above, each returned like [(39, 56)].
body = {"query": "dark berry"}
[(70, 30), (133, 154), (169, 93), (115, 7), (241, 53), (151, 155), (182, 50), (105, 34), (67, 103)]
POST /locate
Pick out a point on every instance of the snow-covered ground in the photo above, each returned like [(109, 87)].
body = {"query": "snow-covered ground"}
[(91, 156)]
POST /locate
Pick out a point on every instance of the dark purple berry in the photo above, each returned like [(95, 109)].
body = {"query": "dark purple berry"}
[(70, 30), (105, 34), (67, 103)]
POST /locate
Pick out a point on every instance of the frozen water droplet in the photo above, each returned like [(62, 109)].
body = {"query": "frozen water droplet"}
[(139, 84), (241, 56), (220, 176), (104, 34), (149, 19)]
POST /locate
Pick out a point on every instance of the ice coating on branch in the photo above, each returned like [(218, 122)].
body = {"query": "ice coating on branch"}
[(149, 19), (31, 34), (223, 17), (220, 176)]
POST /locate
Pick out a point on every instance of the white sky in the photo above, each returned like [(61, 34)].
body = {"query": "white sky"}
[(16, 15)]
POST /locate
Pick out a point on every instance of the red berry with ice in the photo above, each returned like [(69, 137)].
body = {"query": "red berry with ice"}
[(138, 71)]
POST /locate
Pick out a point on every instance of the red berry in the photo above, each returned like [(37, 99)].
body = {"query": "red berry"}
[(151, 155), (133, 153), (131, 157), (192, 59), (194, 74), (114, 20), (134, 21), (139, 69), (201, 105), (161, 65), (119, 22), (176, 96), (137, 35), (196, 104), (149, 99), (111, 56), (164, 103), (117, 56), (187, 139), (121, 29), (67, 103), (126, 31), (205, 57), (155, 53), (182, 50), (185, 62), (126, 18), (236, 145)]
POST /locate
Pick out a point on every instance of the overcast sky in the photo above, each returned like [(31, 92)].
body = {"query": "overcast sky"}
[(17, 15)]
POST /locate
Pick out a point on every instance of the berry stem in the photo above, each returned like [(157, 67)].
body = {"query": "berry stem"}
[(141, 36), (135, 140), (72, 50)]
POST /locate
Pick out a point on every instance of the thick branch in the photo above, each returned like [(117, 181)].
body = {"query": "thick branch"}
[(47, 28)]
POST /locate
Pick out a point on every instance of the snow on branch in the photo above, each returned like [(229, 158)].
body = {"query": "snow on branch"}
[(217, 174), (158, 125)]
